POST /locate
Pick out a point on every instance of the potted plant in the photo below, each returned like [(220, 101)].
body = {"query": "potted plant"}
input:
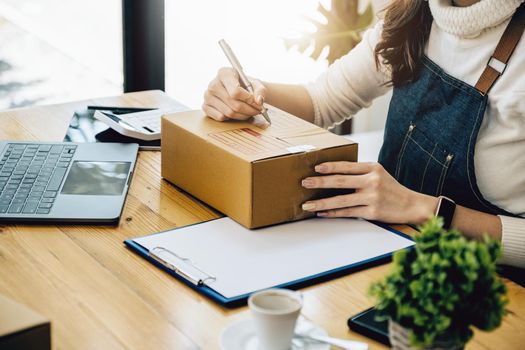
[(340, 30), (440, 289)]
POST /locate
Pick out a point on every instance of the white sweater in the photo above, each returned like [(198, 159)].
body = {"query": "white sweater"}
[(461, 41)]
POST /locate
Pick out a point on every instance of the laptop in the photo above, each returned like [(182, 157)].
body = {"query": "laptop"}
[(63, 182)]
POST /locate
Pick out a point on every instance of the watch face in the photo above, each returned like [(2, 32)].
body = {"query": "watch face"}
[(446, 211)]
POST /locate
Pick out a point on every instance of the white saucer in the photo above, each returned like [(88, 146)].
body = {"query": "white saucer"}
[(241, 336)]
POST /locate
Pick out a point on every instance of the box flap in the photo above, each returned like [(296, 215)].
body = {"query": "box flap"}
[(254, 139), (16, 317)]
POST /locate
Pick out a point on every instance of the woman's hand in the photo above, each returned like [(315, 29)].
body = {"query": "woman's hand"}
[(226, 99), (377, 196)]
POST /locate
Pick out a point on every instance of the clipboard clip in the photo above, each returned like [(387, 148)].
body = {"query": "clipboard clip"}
[(184, 266)]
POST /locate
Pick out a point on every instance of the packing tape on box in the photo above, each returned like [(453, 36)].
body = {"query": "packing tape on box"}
[(300, 148)]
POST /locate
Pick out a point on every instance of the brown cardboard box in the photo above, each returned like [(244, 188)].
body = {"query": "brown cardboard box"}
[(22, 328), (250, 171)]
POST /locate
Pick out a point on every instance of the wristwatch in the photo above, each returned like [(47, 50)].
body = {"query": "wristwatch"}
[(446, 208)]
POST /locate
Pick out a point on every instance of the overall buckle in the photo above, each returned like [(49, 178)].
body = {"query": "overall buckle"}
[(497, 65)]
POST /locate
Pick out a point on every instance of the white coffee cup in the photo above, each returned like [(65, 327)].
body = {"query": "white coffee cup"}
[(275, 313)]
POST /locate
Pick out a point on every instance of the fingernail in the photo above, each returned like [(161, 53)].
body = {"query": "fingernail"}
[(308, 206), (260, 99), (308, 183), (320, 168), (322, 213)]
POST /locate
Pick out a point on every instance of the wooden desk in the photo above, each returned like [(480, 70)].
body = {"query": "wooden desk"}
[(100, 295)]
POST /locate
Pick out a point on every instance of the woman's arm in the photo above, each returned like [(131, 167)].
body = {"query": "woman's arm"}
[(378, 196), (293, 99), (475, 223), (226, 99), (347, 86), (350, 84)]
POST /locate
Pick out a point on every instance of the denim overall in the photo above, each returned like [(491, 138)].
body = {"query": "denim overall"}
[(430, 136), (433, 124)]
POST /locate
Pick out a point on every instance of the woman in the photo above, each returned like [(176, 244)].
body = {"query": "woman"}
[(455, 130)]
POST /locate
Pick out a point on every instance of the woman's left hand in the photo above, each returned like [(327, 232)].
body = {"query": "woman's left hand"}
[(377, 196)]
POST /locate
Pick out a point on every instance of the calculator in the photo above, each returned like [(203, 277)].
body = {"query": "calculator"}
[(143, 125)]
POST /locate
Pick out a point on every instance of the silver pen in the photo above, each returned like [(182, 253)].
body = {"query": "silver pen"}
[(244, 81)]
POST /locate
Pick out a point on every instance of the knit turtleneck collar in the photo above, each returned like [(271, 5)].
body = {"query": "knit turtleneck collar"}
[(470, 21)]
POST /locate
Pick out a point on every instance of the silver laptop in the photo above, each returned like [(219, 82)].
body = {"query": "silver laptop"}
[(64, 182)]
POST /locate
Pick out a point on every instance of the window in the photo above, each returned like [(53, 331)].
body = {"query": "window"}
[(56, 51), (254, 30)]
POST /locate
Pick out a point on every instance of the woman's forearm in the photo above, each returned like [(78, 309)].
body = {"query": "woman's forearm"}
[(473, 223), (476, 224), (291, 98)]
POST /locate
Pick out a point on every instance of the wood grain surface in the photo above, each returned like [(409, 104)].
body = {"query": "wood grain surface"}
[(100, 295)]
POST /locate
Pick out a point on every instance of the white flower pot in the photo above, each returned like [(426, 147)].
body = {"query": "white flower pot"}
[(399, 339)]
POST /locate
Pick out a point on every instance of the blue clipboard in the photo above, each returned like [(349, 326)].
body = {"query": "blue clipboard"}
[(240, 300)]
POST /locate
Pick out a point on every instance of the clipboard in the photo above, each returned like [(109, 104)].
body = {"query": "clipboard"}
[(189, 271)]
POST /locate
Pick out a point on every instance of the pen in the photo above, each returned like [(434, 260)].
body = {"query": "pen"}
[(245, 82)]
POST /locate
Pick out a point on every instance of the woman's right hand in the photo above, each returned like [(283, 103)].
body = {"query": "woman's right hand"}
[(226, 99)]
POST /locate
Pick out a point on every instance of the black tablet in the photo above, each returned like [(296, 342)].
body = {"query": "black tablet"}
[(365, 323)]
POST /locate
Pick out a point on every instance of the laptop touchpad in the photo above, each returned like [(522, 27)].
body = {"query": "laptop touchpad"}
[(96, 178)]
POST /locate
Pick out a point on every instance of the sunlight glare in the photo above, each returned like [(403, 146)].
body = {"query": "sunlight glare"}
[(254, 29)]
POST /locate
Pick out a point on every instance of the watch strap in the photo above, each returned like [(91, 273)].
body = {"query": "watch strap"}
[(446, 209)]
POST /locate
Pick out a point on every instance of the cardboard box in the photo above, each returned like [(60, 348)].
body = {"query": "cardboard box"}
[(22, 328), (249, 170)]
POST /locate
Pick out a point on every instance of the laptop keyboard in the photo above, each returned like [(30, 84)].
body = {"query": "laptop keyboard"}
[(31, 175)]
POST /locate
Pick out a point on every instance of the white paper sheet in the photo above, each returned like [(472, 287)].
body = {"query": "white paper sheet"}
[(244, 261)]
